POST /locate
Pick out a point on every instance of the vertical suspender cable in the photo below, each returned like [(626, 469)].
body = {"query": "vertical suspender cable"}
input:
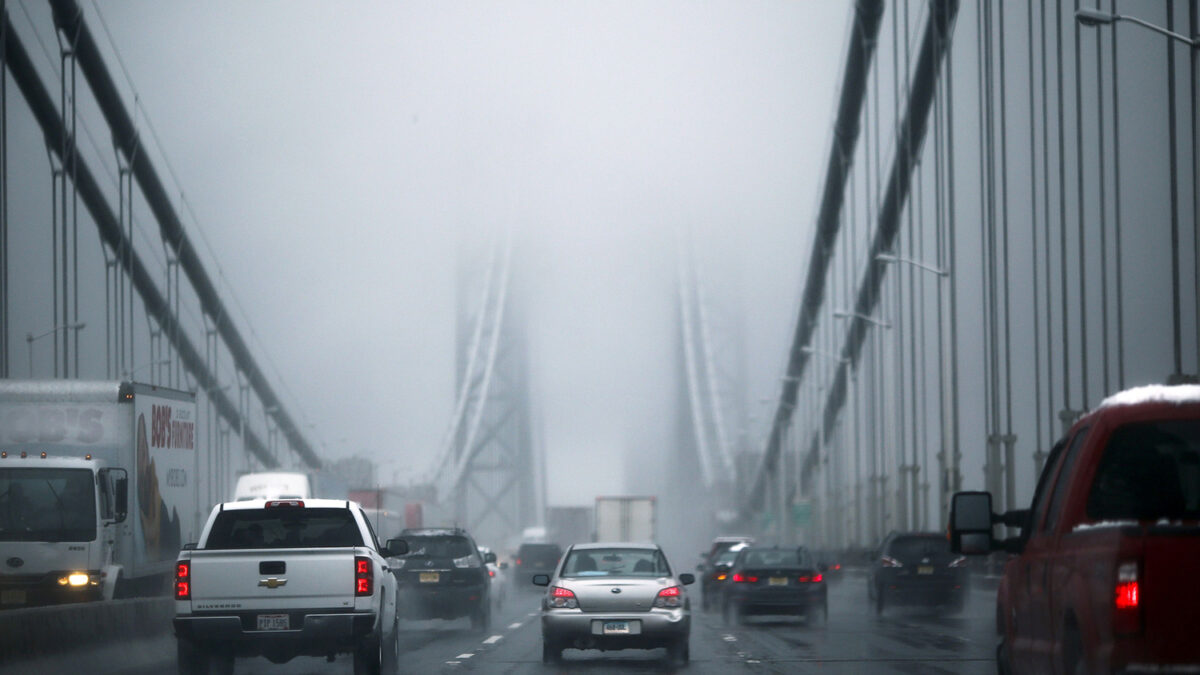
[(1105, 350), (1062, 223), (1082, 220), (1194, 30), (1174, 154), (1046, 235), (4, 322), (1010, 485), (952, 251), (1033, 252)]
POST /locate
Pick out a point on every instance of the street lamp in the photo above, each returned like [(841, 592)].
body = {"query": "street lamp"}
[(1095, 17), (842, 314), (889, 258), (30, 337)]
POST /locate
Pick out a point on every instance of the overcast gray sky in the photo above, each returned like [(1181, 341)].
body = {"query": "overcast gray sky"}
[(336, 153)]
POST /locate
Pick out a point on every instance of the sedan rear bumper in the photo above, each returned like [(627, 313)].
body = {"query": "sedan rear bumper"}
[(586, 630)]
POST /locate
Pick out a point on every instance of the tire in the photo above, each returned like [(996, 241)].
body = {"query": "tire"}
[(1073, 660), (678, 651), (551, 651), (368, 657), (1003, 663), (818, 617), (389, 656), (879, 602), (221, 661), (481, 618), (192, 659)]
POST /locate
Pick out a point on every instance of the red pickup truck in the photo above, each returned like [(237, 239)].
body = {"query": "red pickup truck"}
[(1105, 574)]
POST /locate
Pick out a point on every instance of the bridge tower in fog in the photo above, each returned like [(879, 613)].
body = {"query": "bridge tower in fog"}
[(487, 479)]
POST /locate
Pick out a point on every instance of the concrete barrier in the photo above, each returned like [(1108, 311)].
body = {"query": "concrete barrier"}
[(42, 630)]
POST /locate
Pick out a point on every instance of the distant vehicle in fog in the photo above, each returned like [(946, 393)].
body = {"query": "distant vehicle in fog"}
[(918, 568), (626, 519), (775, 581), (714, 574), (533, 558), (615, 596), (1104, 572), (497, 576)]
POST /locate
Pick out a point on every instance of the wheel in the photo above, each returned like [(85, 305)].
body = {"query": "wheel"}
[(389, 656), (368, 657), (1003, 664), (879, 602), (193, 660), (221, 661), (678, 651), (818, 616), (481, 618), (1073, 660), (551, 651)]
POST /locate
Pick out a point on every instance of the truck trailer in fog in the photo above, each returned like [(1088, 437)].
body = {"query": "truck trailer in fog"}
[(566, 525), (627, 518), (97, 489)]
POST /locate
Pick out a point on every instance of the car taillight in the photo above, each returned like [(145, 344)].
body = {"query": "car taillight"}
[(563, 598), (744, 579), (815, 579), (284, 502), (721, 577), (1128, 617), (183, 580), (364, 576), (491, 573), (888, 561), (518, 561), (669, 597), (960, 561)]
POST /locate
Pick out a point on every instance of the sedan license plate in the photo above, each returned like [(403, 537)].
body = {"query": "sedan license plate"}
[(273, 622), (616, 627), (429, 577), (12, 598), (925, 569), (778, 581)]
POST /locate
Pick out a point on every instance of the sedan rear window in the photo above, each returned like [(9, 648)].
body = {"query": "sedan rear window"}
[(616, 562), (284, 527), (1149, 471), (918, 547), (773, 557), (440, 546)]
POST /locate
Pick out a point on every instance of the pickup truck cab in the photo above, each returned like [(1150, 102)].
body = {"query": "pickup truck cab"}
[(285, 578), (1103, 576)]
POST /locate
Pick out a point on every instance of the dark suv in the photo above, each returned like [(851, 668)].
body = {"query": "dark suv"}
[(443, 576), (534, 558), (918, 568)]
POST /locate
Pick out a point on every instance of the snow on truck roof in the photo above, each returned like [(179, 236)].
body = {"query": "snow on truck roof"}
[(1178, 394)]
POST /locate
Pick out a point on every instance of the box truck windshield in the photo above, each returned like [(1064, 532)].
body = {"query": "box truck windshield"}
[(47, 505)]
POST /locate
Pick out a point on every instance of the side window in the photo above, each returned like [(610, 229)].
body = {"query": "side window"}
[(1041, 494), (1063, 483)]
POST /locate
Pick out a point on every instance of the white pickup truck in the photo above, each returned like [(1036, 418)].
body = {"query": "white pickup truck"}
[(286, 578)]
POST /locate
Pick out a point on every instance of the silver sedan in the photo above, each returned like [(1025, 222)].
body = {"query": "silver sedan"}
[(615, 596)]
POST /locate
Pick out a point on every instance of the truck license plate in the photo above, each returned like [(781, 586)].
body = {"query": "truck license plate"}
[(926, 569), (12, 598), (273, 622), (778, 581), (616, 627), (429, 577)]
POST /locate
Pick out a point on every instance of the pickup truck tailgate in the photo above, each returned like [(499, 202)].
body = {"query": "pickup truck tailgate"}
[(321, 578), (1171, 592)]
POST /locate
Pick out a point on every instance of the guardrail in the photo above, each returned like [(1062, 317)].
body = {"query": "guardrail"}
[(40, 630)]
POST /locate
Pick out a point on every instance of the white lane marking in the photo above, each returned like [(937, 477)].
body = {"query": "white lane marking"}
[(465, 656), (532, 614), (453, 663), (729, 638), (493, 639), (514, 626)]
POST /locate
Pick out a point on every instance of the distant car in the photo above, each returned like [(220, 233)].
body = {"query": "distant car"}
[(444, 576), (914, 568), (498, 576), (714, 574), (775, 581), (830, 563), (534, 558), (615, 596)]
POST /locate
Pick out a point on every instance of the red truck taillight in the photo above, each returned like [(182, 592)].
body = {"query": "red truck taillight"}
[(1127, 614), (183, 580), (364, 576)]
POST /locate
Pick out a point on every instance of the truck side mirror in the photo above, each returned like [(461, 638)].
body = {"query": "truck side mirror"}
[(395, 548), (971, 523), (121, 496)]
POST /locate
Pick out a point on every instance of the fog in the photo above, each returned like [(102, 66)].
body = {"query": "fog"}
[(339, 158)]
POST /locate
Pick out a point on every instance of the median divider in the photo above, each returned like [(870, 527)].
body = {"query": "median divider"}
[(42, 630)]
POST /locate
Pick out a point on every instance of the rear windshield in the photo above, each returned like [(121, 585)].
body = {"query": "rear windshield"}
[(772, 557), (284, 527), (918, 547), (539, 555), (439, 546), (616, 562), (1149, 471)]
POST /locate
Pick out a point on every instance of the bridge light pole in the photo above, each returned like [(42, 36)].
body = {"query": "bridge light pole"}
[(1095, 17), (30, 338)]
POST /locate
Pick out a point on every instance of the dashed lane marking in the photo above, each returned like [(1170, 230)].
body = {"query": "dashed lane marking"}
[(465, 656), (514, 626), (729, 638), (493, 639)]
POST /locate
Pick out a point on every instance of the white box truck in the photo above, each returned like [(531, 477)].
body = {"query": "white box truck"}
[(97, 489), (631, 519)]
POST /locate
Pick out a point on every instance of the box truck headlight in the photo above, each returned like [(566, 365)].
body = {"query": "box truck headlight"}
[(74, 579)]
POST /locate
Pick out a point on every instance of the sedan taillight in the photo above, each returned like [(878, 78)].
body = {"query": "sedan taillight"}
[(183, 580), (364, 576), (669, 597), (744, 579), (562, 598)]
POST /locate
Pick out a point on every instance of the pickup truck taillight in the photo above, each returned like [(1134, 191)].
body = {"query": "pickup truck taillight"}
[(183, 580), (1127, 615), (364, 576)]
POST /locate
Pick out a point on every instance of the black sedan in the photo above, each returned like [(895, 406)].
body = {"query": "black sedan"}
[(775, 581), (917, 568)]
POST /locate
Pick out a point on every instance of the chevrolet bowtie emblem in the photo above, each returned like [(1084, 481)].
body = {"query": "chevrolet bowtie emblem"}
[(272, 582)]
